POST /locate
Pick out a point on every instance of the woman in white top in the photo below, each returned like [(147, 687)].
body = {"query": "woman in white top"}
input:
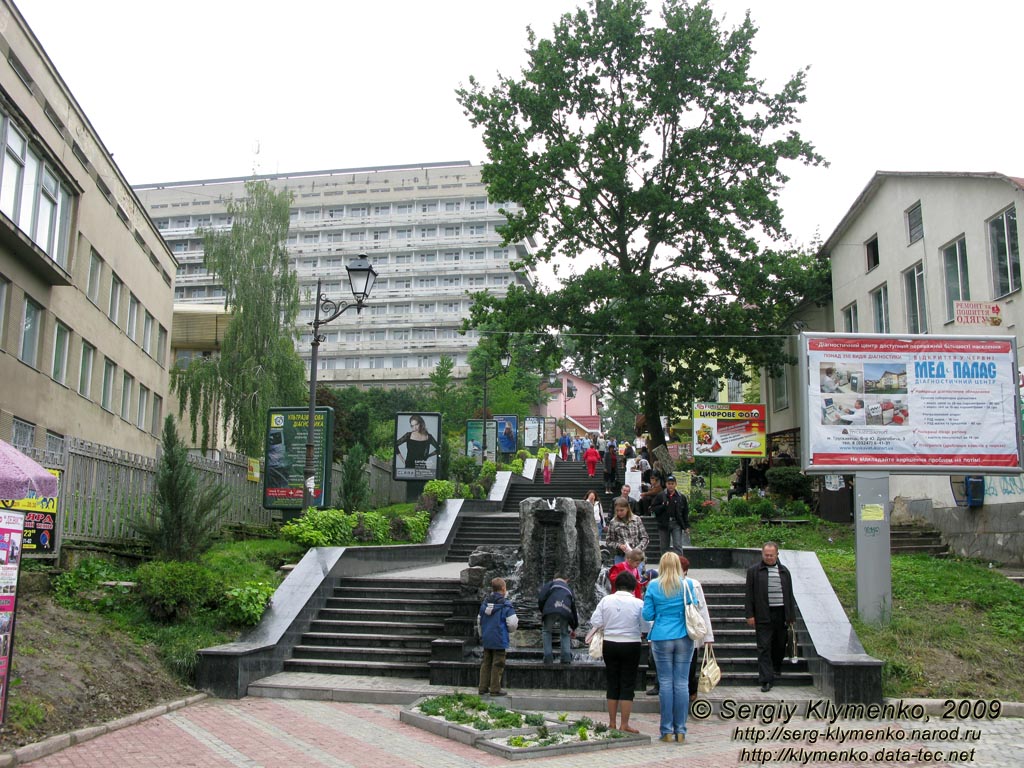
[(618, 614), (598, 512)]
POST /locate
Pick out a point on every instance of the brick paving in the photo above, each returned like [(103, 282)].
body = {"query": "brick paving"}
[(272, 732)]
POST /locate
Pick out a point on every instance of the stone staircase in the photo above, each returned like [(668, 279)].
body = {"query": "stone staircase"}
[(917, 539), (735, 649), (476, 530), (376, 626)]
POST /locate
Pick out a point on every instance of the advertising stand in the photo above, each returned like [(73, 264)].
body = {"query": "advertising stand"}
[(917, 404)]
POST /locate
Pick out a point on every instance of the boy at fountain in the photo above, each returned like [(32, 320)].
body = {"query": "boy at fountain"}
[(557, 605), (497, 618)]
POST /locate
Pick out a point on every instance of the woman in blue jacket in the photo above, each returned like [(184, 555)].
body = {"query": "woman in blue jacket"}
[(664, 605)]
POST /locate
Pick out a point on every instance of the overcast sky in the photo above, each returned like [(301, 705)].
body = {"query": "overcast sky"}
[(191, 90)]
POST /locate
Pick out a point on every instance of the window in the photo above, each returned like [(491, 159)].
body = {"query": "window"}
[(402, 283), (404, 233), (33, 195), (880, 309), (61, 340), (92, 289), (31, 320), (85, 370), (917, 311), (426, 282), (143, 410), (780, 390), (127, 382), (453, 231), (161, 344), (114, 307), (871, 249), (401, 334), (428, 232), (915, 223), (107, 395), (479, 204), (23, 434), (147, 334), (403, 258), (426, 308), (360, 235), (850, 324), (1003, 245), (403, 209), (158, 414), (428, 207), (452, 206), (5, 289), (133, 317), (476, 230), (54, 442), (382, 210), (427, 258), (954, 265)]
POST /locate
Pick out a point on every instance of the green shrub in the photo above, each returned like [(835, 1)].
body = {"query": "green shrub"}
[(398, 529), (355, 487), (371, 527), (417, 526), (171, 589), (738, 507), (320, 528), (763, 508), (522, 454), (462, 469), (442, 490), (244, 605), (80, 587), (479, 492), (427, 502), (187, 515), (516, 467), (797, 508), (789, 483), (488, 472)]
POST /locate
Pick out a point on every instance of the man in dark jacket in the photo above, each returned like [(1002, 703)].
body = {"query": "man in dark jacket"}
[(557, 605), (770, 609), (672, 513), (497, 618)]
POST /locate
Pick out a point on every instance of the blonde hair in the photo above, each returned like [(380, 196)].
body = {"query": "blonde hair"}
[(635, 556), (670, 574)]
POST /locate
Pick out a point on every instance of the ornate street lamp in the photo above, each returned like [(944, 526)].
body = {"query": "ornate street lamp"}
[(361, 277)]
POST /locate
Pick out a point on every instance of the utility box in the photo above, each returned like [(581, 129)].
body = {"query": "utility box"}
[(974, 487)]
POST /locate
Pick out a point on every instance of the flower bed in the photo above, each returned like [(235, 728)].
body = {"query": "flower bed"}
[(508, 733)]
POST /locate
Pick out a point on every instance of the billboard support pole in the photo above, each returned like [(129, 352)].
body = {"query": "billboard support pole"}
[(872, 511)]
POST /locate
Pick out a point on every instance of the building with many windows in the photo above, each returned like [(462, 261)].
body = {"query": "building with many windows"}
[(429, 230), (910, 246), (86, 294)]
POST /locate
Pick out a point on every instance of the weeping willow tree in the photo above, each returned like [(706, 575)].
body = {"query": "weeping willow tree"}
[(258, 365)]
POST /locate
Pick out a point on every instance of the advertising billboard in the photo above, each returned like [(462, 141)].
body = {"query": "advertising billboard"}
[(475, 439), (285, 457), (416, 446), (508, 433), (910, 404), (12, 524), (40, 532), (729, 429), (533, 432)]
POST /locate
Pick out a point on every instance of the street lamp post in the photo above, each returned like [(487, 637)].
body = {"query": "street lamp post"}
[(506, 361), (361, 276)]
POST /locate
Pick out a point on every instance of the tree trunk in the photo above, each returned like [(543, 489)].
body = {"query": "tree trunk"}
[(652, 413)]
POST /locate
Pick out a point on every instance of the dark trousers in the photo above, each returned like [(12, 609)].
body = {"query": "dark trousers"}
[(621, 661), (491, 670), (771, 646)]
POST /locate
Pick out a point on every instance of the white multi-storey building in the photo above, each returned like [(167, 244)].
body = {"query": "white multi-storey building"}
[(429, 230)]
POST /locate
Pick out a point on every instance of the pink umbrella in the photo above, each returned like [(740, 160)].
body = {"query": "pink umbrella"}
[(20, 476)]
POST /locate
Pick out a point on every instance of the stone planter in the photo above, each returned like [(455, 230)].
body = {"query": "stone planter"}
[(496, 741)]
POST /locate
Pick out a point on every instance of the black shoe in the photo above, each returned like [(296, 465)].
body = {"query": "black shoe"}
[(499, 693), (653, 690), (766, 687)]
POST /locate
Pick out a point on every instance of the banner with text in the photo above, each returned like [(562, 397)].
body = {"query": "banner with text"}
[(911, 404), (728, 429)]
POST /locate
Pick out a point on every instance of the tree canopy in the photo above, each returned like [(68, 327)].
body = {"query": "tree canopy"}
[(258, 366), (649, 157)]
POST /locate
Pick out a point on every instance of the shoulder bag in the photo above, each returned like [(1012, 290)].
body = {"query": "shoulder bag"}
[(710, 673), (596, 649), (695, 626)]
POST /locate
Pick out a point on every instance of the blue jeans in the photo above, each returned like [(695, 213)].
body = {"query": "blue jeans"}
[(554, 622), (673, 660)]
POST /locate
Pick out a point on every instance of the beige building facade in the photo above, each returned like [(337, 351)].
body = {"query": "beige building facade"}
[(86, 281), (429, 230)]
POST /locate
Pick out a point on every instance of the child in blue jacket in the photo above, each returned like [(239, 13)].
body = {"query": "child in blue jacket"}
[(497, 619)]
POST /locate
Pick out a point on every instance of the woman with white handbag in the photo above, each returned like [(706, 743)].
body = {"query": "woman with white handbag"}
[(701, 645), (617, 618)]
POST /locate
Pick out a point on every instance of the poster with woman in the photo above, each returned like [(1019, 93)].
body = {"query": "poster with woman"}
[(508, 433), (417, 445)]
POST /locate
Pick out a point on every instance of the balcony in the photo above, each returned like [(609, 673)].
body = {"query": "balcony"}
[(34, 258)]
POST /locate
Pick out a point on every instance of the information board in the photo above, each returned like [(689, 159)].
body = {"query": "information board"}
[(285, 457)]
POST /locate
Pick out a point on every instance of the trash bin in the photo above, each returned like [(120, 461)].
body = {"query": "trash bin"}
[(974, 487)]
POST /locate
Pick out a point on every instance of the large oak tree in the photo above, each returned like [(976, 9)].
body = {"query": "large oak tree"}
[(645, 153)]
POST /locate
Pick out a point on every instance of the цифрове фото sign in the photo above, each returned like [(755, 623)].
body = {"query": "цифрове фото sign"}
[(285, 457), (911, 403)]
